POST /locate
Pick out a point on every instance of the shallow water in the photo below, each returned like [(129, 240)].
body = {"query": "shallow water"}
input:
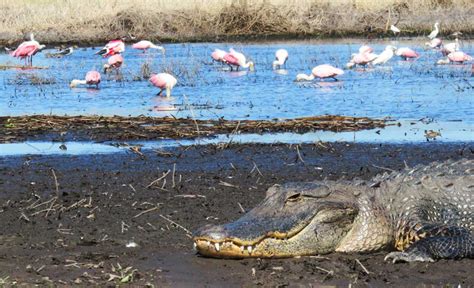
[(408, 132), (400, 89)]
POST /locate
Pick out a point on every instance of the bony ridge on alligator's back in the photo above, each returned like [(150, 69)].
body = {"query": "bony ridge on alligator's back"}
[(426, 213)]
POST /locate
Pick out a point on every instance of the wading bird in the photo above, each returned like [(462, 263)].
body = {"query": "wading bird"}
[(361, 59), (435, 31), (450, 47), (321, 71), (112, 48), (164, 81), (281, 56), (144, 45), (386, 55), (455, 57), (365, 49), (218, 55), (27, 50), (406, 53), (237, 59), (434, 43), (114, 62), (92, 78), (394, 29)]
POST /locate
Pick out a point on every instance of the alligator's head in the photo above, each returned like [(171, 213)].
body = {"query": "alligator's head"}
[(294, 219)]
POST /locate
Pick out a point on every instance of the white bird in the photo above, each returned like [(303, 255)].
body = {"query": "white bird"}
[(386, 55), (435, 31), (281, 55), (450, 47), (394, 29)]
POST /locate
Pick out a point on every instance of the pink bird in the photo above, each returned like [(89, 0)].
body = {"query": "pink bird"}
[(281, 56), (361, 59), (321, 71), (27, 50), (92, 78), (234, 58), (218, 55), (406, 53), (455, 57), (434, 43), (365, 49), (114, 62), (112, 48), (164, 81), (145, 45)]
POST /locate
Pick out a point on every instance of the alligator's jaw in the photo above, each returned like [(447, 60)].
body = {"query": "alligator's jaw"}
[(319, 235)]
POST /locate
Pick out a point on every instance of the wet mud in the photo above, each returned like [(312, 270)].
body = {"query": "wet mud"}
[(122, 218)]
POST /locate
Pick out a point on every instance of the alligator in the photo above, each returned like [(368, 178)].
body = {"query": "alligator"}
[(420, 214)]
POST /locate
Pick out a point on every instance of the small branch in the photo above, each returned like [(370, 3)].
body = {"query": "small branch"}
[(146, 211), (189, 233), (159, 179), (363, 267), (55, 182)]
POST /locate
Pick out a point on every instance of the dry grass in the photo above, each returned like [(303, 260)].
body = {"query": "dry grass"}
[(56, 21)]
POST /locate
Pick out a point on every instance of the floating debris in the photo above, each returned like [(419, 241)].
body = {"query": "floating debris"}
[(100, 128)]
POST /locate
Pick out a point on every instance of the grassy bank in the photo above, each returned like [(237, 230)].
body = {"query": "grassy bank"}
[(91, 21)]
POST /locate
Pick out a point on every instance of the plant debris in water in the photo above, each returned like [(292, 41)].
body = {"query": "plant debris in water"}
[(101, 128)]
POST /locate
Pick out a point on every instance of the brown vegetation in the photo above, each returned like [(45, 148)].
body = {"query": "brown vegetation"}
[(145, 128), (94, 21)]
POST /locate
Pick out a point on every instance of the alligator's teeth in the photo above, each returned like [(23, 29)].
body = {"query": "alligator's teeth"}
[(242, 248), (249, 249), (208, 243), (195, 246), (218, 247)]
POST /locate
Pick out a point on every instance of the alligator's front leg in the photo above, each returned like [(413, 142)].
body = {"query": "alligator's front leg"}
[(444, 242)]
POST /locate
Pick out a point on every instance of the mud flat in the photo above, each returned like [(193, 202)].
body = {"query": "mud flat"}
[(67, 220)]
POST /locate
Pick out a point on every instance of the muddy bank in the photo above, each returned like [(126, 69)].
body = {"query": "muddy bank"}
[(102, 128), (67, 220)]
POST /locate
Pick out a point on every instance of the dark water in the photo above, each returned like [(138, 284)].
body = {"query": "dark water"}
[(399, 89)]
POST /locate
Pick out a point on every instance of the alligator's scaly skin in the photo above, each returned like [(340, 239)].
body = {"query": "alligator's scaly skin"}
[(426, 213)]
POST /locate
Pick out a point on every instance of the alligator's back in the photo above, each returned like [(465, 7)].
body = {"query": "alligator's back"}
[(421, 208), (439, 193)]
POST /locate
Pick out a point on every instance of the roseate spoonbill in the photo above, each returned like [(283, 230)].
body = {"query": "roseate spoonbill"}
[(386, 55), (281, 56), (394, 29), (434, 43), (27, 50), (321, 71), (406, 53), (218, 55), (114, 62), (435, 31), (234, 58), (365, 49), (144, 45), (112, 48), (92, 78), (164, 81), (455, 57), (361, 59)]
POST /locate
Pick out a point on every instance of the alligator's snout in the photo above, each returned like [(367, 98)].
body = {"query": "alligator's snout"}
[(281, 226)]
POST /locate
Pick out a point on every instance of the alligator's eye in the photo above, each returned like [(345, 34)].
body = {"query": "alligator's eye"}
[(295, 197)]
